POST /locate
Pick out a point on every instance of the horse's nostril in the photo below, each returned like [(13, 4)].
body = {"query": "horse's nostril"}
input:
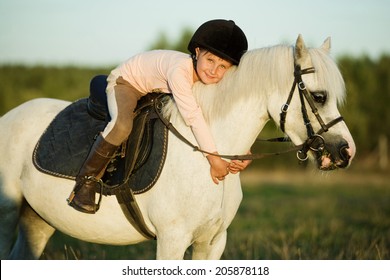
[(344, 156), (344, 153)]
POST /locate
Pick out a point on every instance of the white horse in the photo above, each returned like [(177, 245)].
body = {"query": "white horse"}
[(185, 207)]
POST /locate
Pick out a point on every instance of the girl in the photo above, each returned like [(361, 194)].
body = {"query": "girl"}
[(215, 47)]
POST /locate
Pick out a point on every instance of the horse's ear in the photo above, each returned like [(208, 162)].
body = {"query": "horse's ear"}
[(326, 45), (300, 48)]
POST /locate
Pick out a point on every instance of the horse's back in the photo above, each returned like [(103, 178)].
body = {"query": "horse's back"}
[(35, 114), (34, 107)]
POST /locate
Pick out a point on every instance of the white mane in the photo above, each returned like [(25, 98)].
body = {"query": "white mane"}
[(261, 72)]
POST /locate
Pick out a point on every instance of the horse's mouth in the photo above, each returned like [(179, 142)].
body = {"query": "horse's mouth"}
[(327, 162)]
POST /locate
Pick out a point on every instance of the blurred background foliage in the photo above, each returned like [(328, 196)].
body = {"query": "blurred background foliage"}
[(366, 113)]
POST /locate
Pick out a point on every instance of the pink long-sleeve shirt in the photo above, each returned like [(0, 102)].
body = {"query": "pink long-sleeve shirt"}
[(171, 72)]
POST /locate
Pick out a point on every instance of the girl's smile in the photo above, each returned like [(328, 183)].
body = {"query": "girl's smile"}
[(209, 67)]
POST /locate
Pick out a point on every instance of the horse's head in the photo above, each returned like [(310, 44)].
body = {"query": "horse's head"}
[(310, 115)]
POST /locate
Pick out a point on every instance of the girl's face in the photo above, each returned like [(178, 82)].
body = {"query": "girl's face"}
[(209, 68)]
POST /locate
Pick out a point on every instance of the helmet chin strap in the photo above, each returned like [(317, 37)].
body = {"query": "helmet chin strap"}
[(195, 63)]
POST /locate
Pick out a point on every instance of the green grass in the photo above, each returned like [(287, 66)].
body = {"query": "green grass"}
[(284, 219), (280, 221)]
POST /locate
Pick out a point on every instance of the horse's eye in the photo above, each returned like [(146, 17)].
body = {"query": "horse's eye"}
[(319, 96)]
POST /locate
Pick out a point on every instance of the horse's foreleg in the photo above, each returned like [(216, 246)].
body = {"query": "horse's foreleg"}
[(33, 235), (210, 249), (172, 245)]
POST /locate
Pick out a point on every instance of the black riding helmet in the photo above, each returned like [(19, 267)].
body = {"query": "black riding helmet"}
[(222, 38)]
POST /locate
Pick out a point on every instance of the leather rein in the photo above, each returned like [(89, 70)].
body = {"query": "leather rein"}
[(314, 142)]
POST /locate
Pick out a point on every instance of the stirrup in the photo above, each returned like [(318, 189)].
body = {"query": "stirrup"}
[(101, 184), (78, 187)]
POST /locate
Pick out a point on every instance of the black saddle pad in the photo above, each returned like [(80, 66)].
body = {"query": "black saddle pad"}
[(65, 144)]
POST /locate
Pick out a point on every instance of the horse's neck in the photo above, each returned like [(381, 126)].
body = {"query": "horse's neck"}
[(236, 132)]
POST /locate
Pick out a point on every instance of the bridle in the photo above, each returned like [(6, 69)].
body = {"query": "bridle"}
[(314, 141)]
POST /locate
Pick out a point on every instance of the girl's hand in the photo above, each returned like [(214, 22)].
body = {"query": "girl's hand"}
[(219, 168), (236, 166)]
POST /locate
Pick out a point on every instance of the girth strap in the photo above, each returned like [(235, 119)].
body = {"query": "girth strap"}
[(132, 212)]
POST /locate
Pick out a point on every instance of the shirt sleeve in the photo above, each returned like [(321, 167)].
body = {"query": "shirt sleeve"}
[(170, 72), (180, 82)]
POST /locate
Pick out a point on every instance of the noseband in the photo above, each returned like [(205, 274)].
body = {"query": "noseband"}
[(314, 140)]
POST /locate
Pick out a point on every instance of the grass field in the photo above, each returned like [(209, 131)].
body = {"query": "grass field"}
[(286, 215)]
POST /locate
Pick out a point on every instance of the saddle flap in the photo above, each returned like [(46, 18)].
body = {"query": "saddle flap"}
[(121, 167)]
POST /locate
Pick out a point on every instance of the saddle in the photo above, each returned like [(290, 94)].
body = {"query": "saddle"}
[(138, 163)]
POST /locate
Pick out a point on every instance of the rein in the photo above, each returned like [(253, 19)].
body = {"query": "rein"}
[(314, 142), (172, 129)]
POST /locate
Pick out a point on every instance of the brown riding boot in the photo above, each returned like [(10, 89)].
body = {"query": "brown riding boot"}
[(82, 197)]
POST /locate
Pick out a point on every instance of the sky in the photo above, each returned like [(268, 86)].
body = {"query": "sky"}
[(104, 33)]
